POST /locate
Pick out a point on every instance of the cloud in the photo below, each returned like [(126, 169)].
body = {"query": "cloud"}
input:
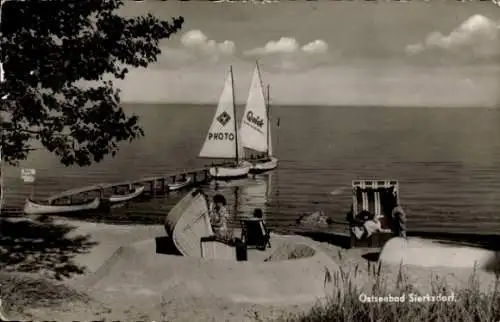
[(197, 40), (315, 47), (287, 54), (477, 38), (284, 45), (287, 45), (195, 49)]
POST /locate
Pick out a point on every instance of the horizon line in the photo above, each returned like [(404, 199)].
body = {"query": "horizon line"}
[(296, 105)]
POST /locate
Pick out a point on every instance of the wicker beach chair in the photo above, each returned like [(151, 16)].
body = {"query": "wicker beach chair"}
[(255, 233), (374, 198)]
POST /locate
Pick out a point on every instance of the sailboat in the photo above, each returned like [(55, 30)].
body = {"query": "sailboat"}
[(256, 126), (222, 140)]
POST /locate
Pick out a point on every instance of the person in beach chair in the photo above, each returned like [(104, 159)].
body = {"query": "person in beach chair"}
[(254, 231), (364, 224), (375, 214), (219, 217)]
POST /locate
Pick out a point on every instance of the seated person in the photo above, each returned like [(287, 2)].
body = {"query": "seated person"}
[(219, 216), (259, 215), (364, 224), (256, 224)]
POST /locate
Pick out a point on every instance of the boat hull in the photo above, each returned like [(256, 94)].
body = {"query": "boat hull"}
[(187, 222), (179, 185), (32, 208), (230, 172), (123, 198), (432, 253), (264, 166)]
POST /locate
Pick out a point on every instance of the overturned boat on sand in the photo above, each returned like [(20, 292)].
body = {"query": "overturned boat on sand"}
[(438, 253)]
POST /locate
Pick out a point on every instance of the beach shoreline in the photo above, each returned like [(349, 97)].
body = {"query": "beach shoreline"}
[(359, 265)]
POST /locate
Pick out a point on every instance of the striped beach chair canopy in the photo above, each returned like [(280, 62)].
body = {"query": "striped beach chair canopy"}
[(369, 195)]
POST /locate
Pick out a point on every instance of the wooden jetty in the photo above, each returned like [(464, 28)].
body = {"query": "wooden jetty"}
[(154, 185)]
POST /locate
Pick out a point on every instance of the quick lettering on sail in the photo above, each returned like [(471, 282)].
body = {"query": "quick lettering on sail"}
[(254, 121)]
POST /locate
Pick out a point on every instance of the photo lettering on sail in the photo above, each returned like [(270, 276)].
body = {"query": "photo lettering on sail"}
[(221, 136)]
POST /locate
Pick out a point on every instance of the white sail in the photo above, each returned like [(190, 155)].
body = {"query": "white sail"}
[(254, 124), (220, 142)]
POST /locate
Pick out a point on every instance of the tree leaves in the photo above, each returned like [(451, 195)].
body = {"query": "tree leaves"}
[(56, 56)]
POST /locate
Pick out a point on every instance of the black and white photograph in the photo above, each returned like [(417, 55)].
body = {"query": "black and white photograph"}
[(249, 160)]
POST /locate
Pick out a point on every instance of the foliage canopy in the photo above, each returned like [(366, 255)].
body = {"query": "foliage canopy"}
[(51, 48)]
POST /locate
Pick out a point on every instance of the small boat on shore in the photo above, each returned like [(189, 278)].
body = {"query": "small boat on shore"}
[(222, 140), (256, 126), (180, 184), (421, 252), (138, 190), (35, 208)]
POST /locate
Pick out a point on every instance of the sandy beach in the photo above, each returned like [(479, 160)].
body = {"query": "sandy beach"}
[(77, 300)]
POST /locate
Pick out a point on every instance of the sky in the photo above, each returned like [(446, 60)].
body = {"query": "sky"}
[(433, 54)]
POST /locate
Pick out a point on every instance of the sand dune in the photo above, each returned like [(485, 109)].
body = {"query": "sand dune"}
[(135, 273)]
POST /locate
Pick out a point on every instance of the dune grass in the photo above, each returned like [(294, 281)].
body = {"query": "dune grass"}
[(463, 304)]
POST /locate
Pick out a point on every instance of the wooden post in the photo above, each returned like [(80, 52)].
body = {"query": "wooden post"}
[(152, 187), (162, 185), (195, 176), (173, 178)]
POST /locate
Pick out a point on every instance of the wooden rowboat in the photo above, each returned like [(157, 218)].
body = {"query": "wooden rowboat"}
[(127, 197), (180, 184), (35, 208)]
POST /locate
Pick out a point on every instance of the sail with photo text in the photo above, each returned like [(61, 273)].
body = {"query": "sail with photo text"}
[(256, 126), (222, 140)]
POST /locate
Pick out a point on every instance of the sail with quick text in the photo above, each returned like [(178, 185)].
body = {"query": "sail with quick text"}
[(254, 125)]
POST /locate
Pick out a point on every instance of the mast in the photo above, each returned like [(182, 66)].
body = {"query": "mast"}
[(267, 102), (234, 113), (268, 117)]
